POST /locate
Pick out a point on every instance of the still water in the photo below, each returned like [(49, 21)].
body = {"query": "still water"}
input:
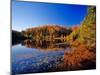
[(33, 57)]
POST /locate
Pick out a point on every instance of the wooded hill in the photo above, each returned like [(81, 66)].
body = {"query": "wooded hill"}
[(47, 32)]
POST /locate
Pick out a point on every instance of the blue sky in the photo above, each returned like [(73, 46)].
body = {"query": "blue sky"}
[(32, 14)]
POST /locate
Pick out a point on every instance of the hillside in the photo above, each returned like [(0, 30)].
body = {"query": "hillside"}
[(47, 32)]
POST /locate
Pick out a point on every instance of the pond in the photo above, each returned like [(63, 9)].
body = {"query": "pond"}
[(35, 57)]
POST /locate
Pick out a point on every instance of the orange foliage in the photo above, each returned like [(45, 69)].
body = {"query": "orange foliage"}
[(74, 28), (79, 56), (75, 43)]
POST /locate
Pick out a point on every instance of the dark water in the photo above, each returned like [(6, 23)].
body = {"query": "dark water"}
[(35, 57)]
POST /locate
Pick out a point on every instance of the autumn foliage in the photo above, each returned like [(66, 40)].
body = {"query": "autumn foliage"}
[(79, 57), (83, 45), (47, 32)]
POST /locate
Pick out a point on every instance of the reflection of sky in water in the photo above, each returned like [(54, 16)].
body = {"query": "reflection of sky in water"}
[(28, 60)]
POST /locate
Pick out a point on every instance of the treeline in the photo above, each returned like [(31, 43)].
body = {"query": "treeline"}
[(47, 32), (17, 37), (86, 33)]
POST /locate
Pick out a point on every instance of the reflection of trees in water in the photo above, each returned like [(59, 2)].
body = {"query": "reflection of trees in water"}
[(45, 45), (16, 42)]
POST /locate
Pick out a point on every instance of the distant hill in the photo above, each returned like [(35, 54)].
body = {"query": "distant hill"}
[(17, 36), (47, 32)]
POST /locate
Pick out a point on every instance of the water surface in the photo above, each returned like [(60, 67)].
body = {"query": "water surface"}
[(33, 57)]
